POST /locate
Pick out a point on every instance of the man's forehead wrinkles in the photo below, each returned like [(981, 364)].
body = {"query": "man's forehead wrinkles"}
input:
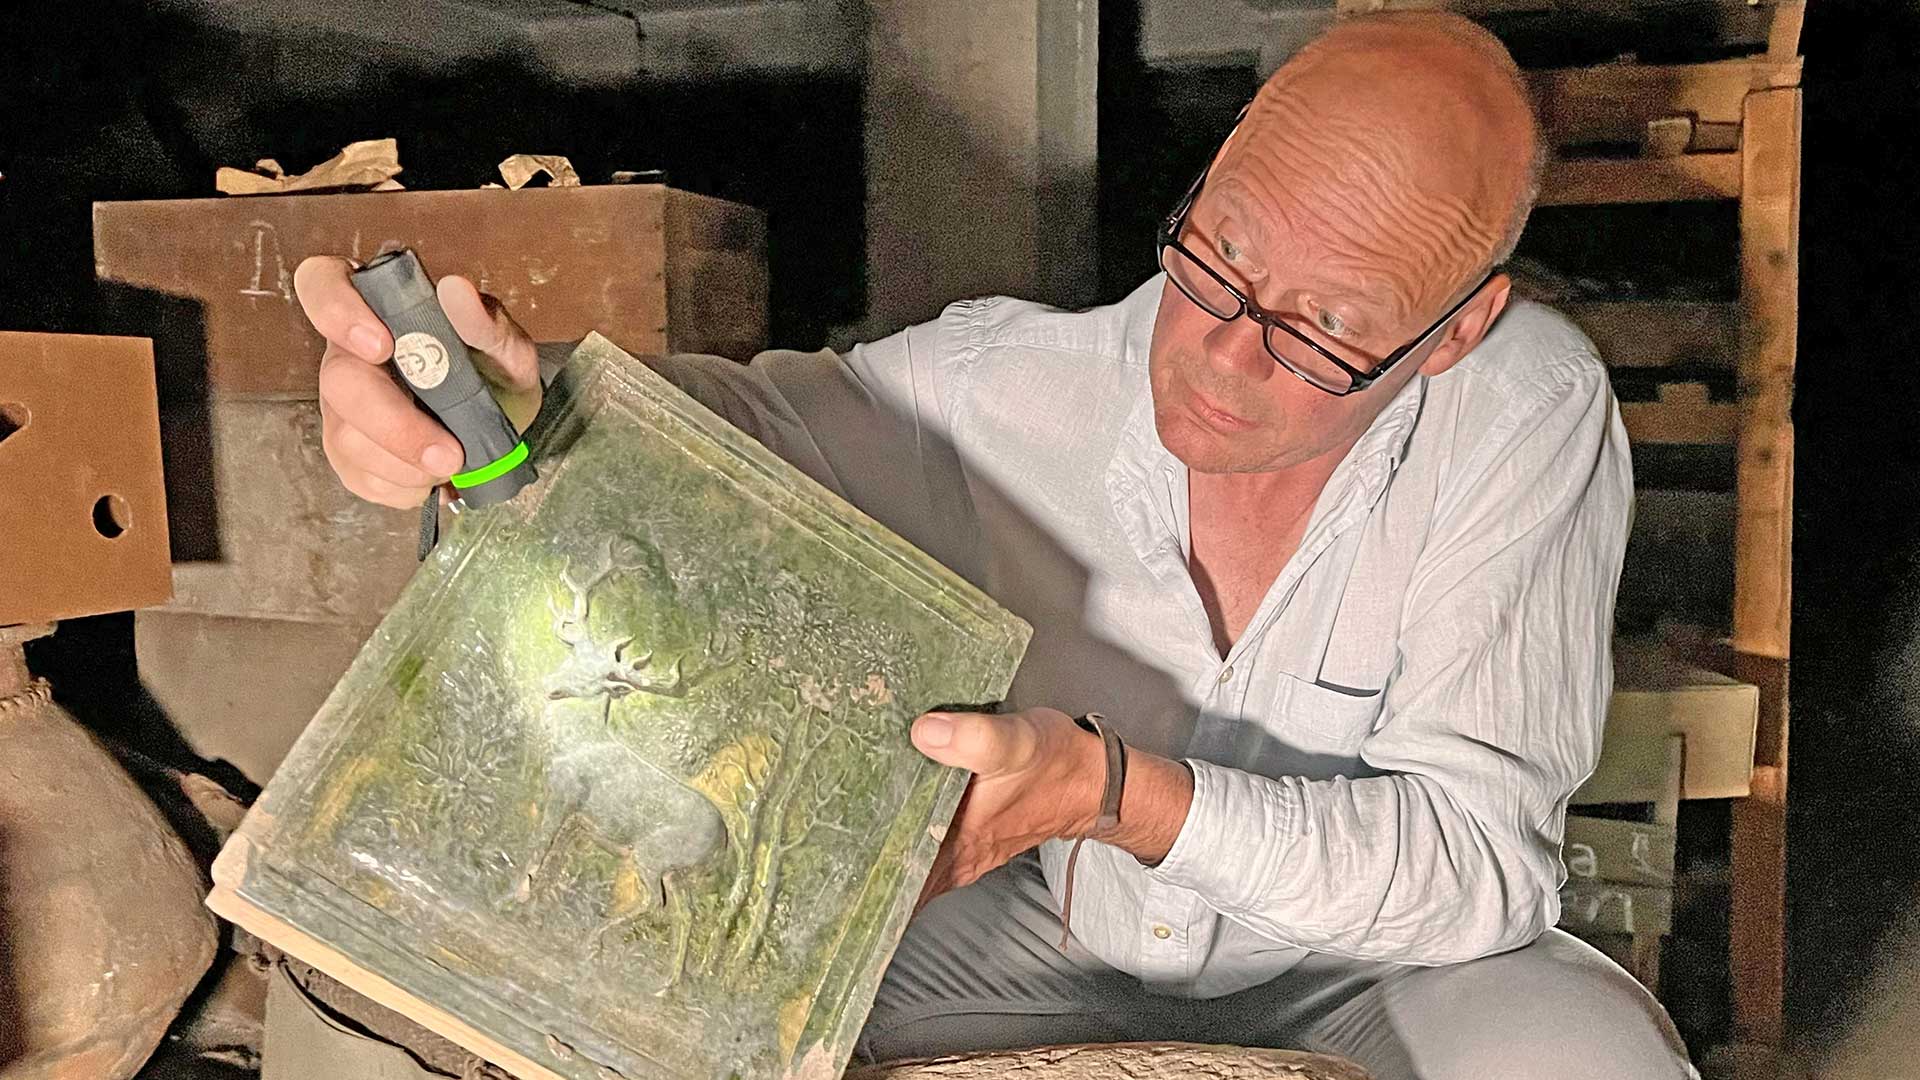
[(1340, 265), (1329, 194), (1369, 266), (1251, 194), (1423, 241)]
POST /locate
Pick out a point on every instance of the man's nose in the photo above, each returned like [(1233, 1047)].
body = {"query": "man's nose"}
[(1237, 348)]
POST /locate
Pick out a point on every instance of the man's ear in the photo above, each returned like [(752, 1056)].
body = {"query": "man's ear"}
[(1470, 326)]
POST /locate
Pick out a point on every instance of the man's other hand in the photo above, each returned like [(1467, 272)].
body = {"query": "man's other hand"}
[(385, 448)]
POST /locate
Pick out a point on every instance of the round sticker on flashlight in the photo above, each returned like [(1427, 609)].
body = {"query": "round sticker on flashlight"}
[(421, 358)]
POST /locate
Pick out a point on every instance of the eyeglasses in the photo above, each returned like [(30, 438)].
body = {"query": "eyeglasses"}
[(1311, 362)]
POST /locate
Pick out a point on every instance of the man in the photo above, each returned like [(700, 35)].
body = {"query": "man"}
[(1318, 512)]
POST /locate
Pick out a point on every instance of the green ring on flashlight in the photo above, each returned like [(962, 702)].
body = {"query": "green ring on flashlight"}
[(499, 468)]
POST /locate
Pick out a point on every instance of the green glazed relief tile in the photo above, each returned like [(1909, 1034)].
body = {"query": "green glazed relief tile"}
[(622, 783)]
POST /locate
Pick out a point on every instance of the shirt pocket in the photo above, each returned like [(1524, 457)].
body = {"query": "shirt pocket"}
[(1329, 721)]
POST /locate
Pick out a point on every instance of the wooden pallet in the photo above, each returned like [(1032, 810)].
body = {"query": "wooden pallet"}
[(1724, 129)]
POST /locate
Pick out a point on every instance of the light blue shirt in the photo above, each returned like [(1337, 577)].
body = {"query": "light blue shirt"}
[(1382, 762)]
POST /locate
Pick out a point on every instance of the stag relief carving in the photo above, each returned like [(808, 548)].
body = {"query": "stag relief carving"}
[(600, 788)]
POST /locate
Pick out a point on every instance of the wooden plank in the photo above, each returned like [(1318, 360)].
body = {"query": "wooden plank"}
[(1656, 696), (1769, 236), (1644, 333), (1769, 302), (83, 513), (241, 690), (1602, 907), (211, 280), (1684, 415), (1612, 103), (1770, 676), (1621, 852), (263, 528), (1783, 34), (1769, 295), (1757, 928), (1688, 178)]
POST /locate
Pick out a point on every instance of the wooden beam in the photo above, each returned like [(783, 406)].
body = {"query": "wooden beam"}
[(1769, 302), (1684, 415), (1783, 35), (1769, 299), (1613, 102), (1757, 926), (1688, 178), (1643, 333)]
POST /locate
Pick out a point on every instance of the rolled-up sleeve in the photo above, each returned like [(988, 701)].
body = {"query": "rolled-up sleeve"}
[(1491, 720)]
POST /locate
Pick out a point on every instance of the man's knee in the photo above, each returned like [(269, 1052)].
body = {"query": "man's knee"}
[(1556, 1008)]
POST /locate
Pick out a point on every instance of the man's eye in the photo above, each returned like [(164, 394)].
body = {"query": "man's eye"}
[(1230, 249), (1330, 322)]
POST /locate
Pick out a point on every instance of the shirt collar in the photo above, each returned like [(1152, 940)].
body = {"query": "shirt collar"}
[(1383, 445), (1137, 315)]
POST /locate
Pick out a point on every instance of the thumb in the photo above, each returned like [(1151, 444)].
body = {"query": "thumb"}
[(985, 744), (484, 325), (504, 354)]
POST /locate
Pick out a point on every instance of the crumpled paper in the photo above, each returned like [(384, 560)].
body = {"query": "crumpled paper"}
[(362, 166), (520, 169)]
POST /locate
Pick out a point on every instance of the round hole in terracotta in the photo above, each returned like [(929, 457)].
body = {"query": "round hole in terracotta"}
[(13, 417), (111, 517)]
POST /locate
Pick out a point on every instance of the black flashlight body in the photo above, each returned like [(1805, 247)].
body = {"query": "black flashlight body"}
[(435, 365)]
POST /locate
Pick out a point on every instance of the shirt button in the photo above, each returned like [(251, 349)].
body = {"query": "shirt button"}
[(1226, 673), (1163, 932)]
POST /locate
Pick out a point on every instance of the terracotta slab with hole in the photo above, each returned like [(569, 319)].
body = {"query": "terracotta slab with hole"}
[(85, 527)]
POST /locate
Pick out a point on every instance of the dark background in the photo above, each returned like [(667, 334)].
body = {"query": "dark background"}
[(128, 101)]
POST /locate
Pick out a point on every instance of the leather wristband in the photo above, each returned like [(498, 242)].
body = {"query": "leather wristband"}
[(1109, 816)]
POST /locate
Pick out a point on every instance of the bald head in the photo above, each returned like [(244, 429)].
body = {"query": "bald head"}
[(1400, 151)]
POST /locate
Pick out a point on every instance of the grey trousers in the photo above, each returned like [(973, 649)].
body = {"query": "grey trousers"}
[(981, 969)]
